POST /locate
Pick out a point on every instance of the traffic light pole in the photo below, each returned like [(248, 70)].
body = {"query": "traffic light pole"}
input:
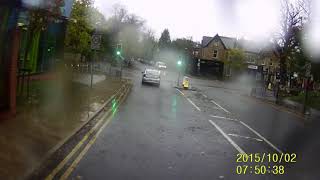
[(178, 81), (121, 70)]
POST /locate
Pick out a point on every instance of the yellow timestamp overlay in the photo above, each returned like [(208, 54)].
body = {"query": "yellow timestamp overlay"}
[(260, 169), (266, 158), (259, 163)]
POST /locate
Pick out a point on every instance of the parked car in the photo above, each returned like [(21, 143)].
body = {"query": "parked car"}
[(151, 76), (161, 65)]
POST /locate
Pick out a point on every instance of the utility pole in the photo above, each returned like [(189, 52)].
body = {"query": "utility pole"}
[(119, 57), (306, 87), (179, 63)]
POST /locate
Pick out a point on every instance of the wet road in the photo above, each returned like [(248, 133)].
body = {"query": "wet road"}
[(164, 133)]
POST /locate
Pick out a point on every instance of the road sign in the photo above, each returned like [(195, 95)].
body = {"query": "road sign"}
[(95, 41)]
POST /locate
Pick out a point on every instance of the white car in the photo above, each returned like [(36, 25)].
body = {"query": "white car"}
[(161, 65), (151, 76)]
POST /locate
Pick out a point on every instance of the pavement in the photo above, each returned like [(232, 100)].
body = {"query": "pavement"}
[(165, 133), (53, 112)]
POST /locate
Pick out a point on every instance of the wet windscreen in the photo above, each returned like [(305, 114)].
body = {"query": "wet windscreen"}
[(82, 95)]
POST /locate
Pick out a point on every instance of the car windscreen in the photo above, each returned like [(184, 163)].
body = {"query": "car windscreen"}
[(153, 72)]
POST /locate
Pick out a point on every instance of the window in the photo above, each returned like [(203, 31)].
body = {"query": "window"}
[(215, 53)]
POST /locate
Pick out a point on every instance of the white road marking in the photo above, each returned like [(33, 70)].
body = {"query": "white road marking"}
[(224, 134), (220, 117), (246, 137), (189, 100), (260, 136), (180, 91), (194, 104), (227, 137), (205, 96), (220, 106)]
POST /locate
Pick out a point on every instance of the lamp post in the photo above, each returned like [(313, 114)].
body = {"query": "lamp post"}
[(179, 63)]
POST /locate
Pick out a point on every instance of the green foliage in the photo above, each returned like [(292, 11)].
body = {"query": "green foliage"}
[(121, 28), (182, 45), (236, 59), (78, 31), (127, 29), (312, 101)]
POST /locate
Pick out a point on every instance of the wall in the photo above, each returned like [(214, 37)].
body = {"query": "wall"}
[(215, 44)]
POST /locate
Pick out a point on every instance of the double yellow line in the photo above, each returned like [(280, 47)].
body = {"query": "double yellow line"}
[(100, 125)]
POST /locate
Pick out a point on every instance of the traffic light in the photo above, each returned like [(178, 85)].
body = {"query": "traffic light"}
[(119, 49), (179, 63)]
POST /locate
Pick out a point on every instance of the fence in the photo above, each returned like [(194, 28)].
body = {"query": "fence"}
[(97, 68)]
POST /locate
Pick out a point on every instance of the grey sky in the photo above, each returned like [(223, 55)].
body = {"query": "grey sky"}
[(249, 18)]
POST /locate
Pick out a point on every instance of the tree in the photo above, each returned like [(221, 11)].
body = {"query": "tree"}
[(149, 44), (165, 41), (236, 60), (292, 21), (78, 31), (126, 28), (184, 48), (181, 44)]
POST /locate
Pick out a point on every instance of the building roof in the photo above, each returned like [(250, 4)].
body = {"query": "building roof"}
[(205, 40), (245, 45), (250, 46), (229, 42)]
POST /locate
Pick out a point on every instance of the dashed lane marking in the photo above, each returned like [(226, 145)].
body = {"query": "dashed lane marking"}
[(180, 92), (220, 106), (246, 137), (227, 137), (260, 136), (194, 105), (220, 117), (254, 131)]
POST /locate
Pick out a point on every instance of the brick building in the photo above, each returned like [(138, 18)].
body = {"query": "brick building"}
[(214, 51)]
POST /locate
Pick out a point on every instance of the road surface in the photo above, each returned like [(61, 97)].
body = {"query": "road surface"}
[(166, 133)]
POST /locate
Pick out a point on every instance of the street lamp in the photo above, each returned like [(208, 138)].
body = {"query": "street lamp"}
[(179, 63)]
